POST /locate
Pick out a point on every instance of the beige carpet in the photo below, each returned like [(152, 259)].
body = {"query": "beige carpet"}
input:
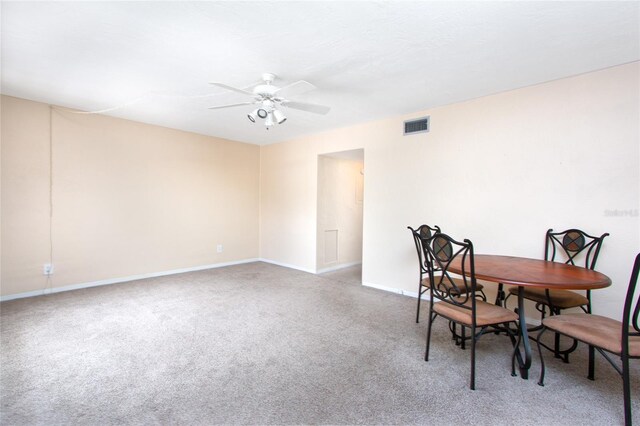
[(262, 344)]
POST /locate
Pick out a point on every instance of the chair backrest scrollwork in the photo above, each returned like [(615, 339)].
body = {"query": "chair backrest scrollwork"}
[(573, 245), (423, 232), (448, 286)]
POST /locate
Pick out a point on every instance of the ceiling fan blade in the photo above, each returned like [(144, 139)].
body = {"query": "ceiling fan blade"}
[(316, 109), (233, 89), (231, 105), (293, 89)]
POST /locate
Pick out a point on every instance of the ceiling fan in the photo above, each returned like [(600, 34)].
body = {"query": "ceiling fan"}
[(269, 97)]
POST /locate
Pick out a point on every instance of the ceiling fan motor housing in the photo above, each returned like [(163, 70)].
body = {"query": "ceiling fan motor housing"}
[(266, 90)]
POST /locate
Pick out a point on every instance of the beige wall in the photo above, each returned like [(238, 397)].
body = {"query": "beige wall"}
[(130, 198), (288, 206), (339, 237), (127, 198), (25, 194), (499, 170)]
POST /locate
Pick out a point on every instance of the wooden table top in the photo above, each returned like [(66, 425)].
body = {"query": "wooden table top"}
[(527, 272)]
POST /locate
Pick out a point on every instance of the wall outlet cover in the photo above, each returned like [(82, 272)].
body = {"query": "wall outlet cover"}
[(47, 269)]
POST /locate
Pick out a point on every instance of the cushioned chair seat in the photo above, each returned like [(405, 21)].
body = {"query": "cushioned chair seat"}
[(594, 330), (486, 313), (562, 299), (458, 281)]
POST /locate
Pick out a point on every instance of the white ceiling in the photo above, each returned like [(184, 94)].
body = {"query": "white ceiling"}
[(369, 59)]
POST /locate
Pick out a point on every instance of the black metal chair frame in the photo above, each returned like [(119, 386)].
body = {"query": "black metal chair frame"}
[(592, 247), (418, 234), (423, 232), (630, 318), (439, 248), (571, 247)]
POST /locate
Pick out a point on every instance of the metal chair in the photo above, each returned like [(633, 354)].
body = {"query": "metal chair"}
[(457, 297), (604, 335), (421, 233), (573, 247)]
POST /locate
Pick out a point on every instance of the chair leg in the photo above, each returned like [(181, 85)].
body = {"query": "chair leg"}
[(565, 358), (473, 358), (541, 379), (431, 318), (556, 346), (464, 337), (419, 297), (592, 363), (626, 387), (498, 302), (556, 341), (500, 295), (516, 344)]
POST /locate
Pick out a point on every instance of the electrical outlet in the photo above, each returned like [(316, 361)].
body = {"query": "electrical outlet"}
[(47, 269), (219, 248)]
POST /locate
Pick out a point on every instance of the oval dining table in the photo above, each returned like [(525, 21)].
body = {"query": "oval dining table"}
[(524, 272)]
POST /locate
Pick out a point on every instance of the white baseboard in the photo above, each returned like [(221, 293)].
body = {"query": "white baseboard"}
[(535, 321), (413, 294), (286, 265), (122, 279), (337, 267), (381, 287)]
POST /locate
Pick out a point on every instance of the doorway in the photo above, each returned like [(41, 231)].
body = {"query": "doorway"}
[(340, 213)]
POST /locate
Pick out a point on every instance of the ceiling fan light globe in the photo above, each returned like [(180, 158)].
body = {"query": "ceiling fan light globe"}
[(269, 121), (279, 116), (253, 115), (262, 113)]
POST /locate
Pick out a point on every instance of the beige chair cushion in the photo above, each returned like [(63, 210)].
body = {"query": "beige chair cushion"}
[(594, 330), (458, 281), (562, 299), (486, 313)]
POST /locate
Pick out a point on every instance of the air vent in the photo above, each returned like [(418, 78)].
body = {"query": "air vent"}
[(420, 125)]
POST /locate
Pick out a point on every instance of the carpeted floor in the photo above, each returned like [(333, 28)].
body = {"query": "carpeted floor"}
[(262, 344)]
